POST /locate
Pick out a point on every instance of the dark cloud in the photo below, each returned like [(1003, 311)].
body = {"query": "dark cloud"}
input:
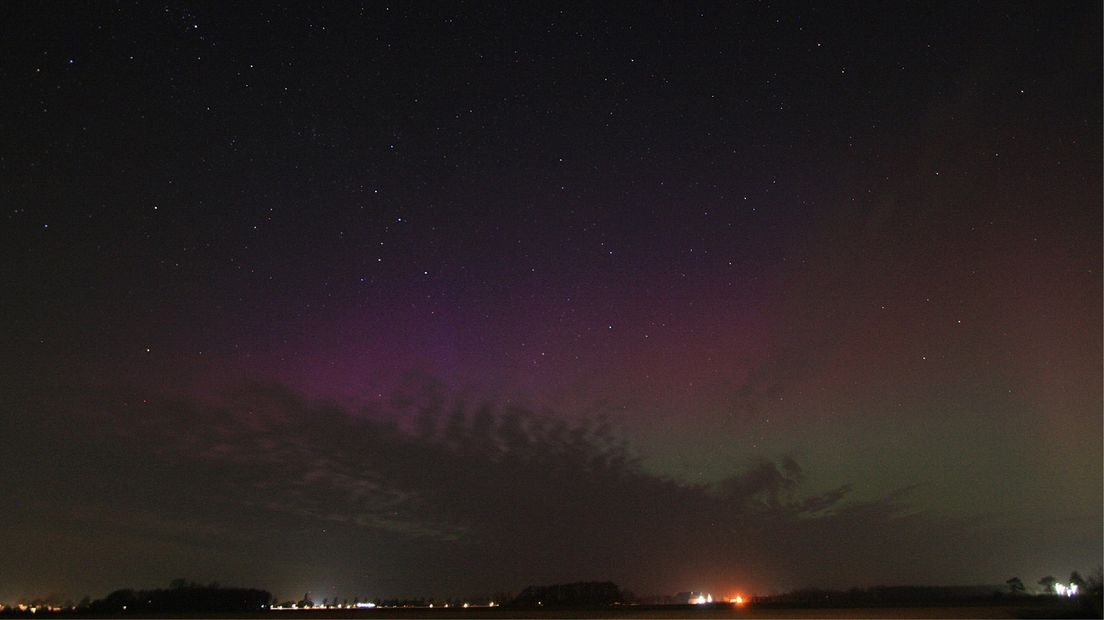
[(767, 485), (264, 487)]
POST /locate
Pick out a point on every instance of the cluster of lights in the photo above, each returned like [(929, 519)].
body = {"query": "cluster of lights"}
[(334, 606), (34, 609), (294, 606), (703, 598), (1064, 590)]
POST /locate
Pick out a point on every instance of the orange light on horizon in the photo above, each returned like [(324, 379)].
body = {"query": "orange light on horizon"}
[(737, 600)]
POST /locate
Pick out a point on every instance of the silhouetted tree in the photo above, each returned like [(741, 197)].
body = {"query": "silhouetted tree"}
[(190, 598), (1015, 585), (118, 601), (1094, 594), (1048, 583), (1077, 580)]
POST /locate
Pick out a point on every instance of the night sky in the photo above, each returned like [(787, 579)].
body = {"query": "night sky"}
[(371, 300)]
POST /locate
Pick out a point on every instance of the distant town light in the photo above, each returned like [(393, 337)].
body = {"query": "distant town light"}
[(1060, 589)]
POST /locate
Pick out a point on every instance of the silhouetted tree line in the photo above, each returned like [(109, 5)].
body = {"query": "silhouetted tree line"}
[(181, 597), (1087, 601), (581, 594), (882, 596), (1090, 591)]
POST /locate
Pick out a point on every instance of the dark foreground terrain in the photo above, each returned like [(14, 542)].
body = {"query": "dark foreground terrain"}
[(1028, 608)]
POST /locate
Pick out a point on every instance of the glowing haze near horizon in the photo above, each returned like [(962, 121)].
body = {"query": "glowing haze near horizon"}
[(386, 301)]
